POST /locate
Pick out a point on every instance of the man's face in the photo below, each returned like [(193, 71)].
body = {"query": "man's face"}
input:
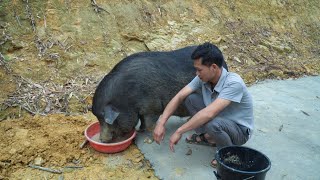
[(205, 73)]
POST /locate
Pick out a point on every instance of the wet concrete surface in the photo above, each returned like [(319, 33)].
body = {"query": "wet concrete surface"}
[(287, 131)]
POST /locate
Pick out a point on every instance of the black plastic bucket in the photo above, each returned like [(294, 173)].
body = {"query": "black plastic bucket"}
[(239, 162)]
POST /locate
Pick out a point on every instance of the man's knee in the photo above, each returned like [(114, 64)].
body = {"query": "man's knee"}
[(213, 128), (194, 101)]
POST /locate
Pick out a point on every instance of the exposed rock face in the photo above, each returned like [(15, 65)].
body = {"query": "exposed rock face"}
[(99, 34), (59, 40), (54, 53)]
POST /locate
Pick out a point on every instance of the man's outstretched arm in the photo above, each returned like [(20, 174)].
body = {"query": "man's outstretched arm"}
[(159, 131), (202, 117)]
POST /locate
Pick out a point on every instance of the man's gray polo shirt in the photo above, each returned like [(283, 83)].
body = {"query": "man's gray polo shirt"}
[(231, 87)]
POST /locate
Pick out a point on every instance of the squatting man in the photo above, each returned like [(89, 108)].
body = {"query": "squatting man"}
[(221, 115)]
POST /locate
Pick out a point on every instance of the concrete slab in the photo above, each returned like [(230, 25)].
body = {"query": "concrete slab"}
[(287, 130)]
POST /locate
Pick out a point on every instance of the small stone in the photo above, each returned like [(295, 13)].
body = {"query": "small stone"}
[(276, 72), (27, 143), (136, 160), (217, 41), (287, 49), (189, 152), (263, 47), (280, 128), (111, 173), (171, 23), (222, 48), (77, 156), (236, 59), (263, 130), (306, 68), (38, 161), (12, 151), (148, 140)]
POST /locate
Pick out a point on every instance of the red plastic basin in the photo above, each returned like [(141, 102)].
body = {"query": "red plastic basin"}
[(94, 128)]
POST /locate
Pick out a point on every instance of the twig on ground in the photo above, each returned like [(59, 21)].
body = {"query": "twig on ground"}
[(45, 21), (45, 169), (17, 17), (28, 109), (68, 48), (40, 46), (47, 97), (305, 113), (6, 38), (30, 16), (4, 63), (54, 56), (83, 144), (74, 167), (97, 8)]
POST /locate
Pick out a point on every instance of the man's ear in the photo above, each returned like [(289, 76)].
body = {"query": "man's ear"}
[(214, 66)]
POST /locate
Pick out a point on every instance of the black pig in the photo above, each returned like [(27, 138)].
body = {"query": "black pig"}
[(139, 87)]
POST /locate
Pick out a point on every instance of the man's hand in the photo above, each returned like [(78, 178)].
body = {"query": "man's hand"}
[(158, 133), (174, 139)]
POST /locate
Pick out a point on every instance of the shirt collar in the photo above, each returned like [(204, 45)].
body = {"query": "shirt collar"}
[(221, 81)]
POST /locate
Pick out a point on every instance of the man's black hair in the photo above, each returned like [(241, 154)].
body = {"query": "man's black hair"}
[(209, 54)]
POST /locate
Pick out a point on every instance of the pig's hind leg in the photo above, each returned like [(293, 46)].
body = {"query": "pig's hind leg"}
[(148, 122)]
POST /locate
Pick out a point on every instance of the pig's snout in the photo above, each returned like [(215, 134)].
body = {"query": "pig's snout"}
[(105, 135)]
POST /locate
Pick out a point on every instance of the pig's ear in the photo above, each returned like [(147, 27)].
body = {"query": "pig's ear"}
[(110, 114)]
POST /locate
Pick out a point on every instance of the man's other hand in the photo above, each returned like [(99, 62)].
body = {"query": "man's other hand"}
[(158, 133), (174, 139)]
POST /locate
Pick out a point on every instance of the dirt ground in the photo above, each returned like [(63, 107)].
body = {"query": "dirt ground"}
[(54, 142), (54, 53)]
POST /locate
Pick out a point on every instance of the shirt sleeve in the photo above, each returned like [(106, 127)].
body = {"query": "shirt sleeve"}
[(232, 91), (195, 83)]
